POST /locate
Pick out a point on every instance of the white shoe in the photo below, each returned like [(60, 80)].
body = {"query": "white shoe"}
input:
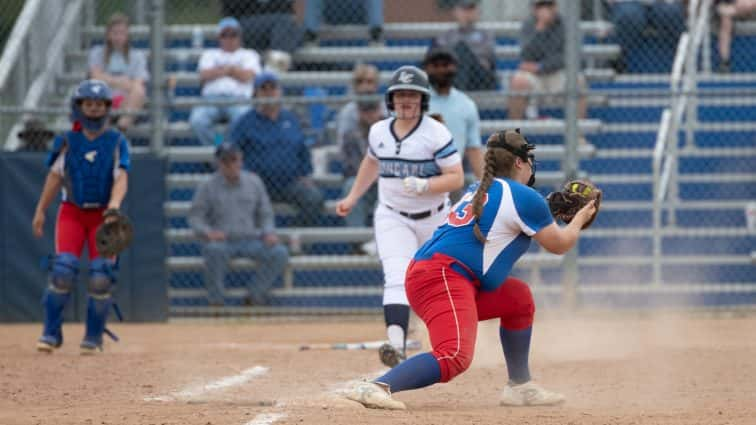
[(370, 248), (529, 394), (374, 396)]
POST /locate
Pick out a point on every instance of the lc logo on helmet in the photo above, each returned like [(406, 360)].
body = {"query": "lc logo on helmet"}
[(405, 77)]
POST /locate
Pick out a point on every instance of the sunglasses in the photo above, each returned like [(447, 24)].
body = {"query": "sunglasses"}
[(229, 34), (359, 81)]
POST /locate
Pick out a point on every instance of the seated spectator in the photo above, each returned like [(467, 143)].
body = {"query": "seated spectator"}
[(459, 112), (270, 26), (314, 13), (275, 149), (727, 11), (631, 18), (352, 127), (542, 60), (474, 47), (226, 74), (123, 69), (35, 136), (233, 215)]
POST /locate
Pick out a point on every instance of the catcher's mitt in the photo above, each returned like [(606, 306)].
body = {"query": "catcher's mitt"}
[(575, 194), (115, 234)]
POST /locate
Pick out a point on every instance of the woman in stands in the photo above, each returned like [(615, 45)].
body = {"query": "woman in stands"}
[(122, 68)]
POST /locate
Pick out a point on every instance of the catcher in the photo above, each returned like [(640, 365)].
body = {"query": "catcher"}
[(462, 276), (90, 164)]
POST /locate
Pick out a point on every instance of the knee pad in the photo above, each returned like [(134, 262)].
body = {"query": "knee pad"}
[(521, 310), (63, 272), (101, 278)]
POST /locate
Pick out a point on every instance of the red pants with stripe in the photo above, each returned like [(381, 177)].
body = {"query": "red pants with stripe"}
[(451, 305), (76, 226)]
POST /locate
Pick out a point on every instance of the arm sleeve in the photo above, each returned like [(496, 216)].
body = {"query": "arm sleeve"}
[(446, 155), (531, 208), (305, 159), (56, 151), (96, 58), (528, 47), (124, 157), (252, 62), (200, 210), (265, 215), (370, 152)]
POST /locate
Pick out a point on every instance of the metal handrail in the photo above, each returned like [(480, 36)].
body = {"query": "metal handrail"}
[(13, 48)]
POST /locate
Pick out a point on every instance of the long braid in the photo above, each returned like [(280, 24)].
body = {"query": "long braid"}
[(485, 183)]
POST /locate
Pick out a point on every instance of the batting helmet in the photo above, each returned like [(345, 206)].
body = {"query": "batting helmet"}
[(91, 89), (409, 78)]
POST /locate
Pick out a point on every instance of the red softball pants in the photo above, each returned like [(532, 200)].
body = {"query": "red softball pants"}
[(451, 305), (75, 227)]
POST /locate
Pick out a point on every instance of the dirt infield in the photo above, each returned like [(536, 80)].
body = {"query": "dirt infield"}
[(684, 368)]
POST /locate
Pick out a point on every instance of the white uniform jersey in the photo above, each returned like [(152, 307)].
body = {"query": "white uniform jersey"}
[(422, 153)]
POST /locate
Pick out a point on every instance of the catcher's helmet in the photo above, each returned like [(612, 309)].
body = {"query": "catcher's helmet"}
[(409, 78), (91, 89)]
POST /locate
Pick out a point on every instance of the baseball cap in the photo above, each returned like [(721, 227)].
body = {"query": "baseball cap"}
[(266, 77), (228, 22), (227, 150), (439, 52)]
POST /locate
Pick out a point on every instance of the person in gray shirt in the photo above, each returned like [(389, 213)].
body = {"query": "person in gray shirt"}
[(474, 47), (542, 46), (232, 214)]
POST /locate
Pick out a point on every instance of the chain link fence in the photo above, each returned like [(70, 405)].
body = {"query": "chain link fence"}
[(304, 132)]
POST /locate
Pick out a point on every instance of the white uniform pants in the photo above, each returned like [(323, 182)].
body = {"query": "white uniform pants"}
[(398, 238)]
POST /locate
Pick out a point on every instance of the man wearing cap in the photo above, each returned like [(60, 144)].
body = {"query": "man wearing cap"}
[(274, 147), (473, 46), (459, 111), (233, 216), (542, 43), (226, 75)]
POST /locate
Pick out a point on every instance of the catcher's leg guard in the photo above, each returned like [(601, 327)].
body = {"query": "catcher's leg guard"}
[(101, 282), (63, 273)]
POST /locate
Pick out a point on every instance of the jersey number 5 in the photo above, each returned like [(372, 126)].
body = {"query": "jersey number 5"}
[(463, 215)]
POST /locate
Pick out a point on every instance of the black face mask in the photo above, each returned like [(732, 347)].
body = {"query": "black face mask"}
[(442, 80), (531, 180)]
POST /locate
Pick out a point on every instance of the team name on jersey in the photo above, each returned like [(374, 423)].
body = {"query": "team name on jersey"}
[(400, 168)]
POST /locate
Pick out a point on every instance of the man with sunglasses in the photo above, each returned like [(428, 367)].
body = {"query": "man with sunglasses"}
[(226, 75)]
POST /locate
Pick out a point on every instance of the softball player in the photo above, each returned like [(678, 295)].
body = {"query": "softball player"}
[(90, 165), (416, 164), (460, 276)]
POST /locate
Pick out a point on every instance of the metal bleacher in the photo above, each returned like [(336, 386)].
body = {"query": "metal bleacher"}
[(708, 245)]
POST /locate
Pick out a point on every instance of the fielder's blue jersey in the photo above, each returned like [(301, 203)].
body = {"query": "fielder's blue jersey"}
[(89, 167), (512, 214)]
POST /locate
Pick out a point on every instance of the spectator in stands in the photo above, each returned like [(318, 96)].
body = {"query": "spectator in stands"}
[(727, 11), (122, 68), (542, 59), (270, 26), (458, 111), (632, 18), (275, 149), (314, 13), (226, 75), (35, 136), (233, 215), (474, 47), (352, 126)]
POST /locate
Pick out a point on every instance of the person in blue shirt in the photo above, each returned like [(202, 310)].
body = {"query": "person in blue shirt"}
[(90, 166), (274, 148), (461, 276)]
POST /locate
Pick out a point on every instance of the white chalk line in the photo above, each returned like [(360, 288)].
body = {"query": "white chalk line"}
[(266, 418), (220, 384)]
